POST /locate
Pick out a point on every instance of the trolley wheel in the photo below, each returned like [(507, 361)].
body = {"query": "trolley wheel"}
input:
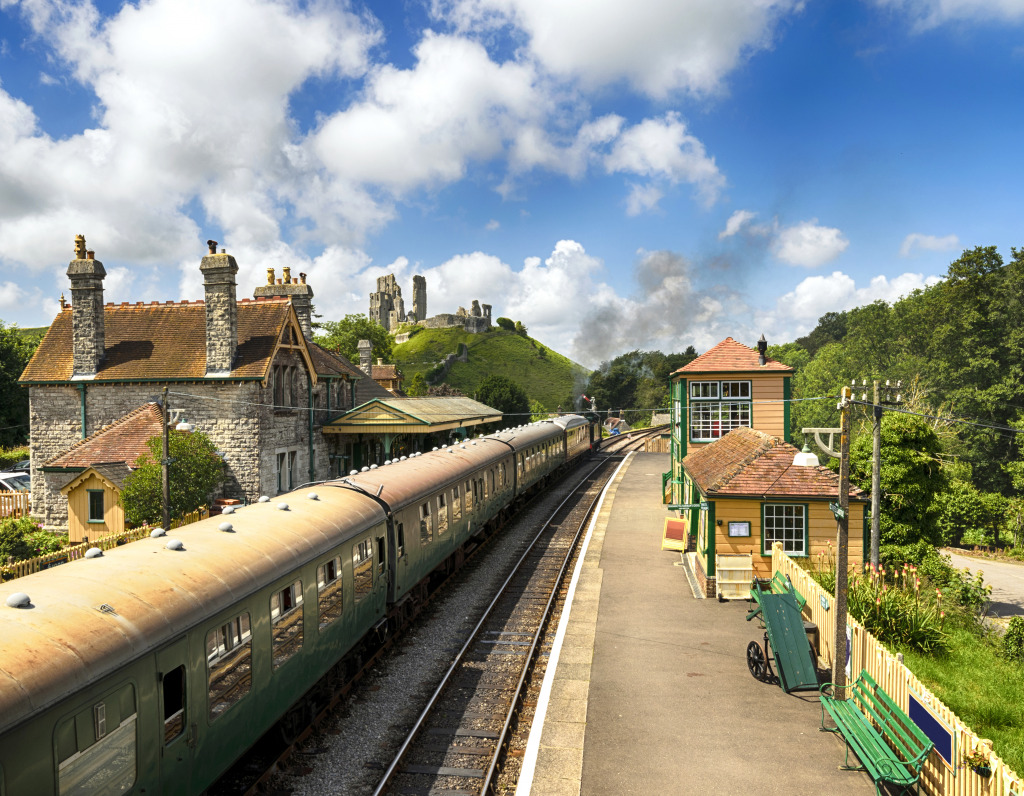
[(756, 661)]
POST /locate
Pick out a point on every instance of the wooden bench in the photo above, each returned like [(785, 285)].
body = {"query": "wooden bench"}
[(890, 747)]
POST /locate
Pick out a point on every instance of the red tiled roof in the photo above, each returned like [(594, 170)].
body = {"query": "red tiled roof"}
[(751, 463), (124, 440), (162, 341), (729, 356)]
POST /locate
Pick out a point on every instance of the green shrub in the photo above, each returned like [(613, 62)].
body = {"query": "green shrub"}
[(42, 542), (1012, 645), (507, 324), (14, 538), (11, 456)]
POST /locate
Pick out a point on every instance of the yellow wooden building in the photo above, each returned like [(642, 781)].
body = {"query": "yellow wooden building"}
[(94, 501)]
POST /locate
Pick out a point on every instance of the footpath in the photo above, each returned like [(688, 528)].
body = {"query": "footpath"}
[(651, 693)]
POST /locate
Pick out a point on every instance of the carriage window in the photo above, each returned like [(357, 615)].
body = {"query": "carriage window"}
[(442, 515), (286, 620), (456, 503), (330, 594), (96, 748), (362, 568), (229, 662), (426, 527), (400, 533), (470, 495), (174, 703), (490, 480)]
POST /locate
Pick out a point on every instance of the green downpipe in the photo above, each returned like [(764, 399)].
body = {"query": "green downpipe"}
[(81, 390), (712, 531), (309, 389), (786, 395)]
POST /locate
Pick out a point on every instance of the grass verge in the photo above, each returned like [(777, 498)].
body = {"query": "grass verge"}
[(983, 689)]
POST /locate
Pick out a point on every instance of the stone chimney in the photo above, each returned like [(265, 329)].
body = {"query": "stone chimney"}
[(365, 348), (221, 311), (297, 290), (86, 275)]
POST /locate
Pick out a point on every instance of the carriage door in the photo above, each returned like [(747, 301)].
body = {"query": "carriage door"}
[(177, 719)]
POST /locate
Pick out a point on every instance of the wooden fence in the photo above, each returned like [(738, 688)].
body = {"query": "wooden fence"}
[(15, 504), (74, 552), (898, 681)]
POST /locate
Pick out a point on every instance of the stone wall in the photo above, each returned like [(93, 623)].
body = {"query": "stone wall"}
[(239, 418)]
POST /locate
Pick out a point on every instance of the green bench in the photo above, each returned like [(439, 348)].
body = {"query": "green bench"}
[(890, 747)]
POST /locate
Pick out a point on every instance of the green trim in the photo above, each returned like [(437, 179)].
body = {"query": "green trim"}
[(90, 492), (865, 551), (309, 389), (786, 396), (807, 526), (712, 532), (52, 469), (694, 515), (684, 417), (81, 389), (70, 383)]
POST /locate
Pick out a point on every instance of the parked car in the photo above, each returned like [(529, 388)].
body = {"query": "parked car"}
[(24, 466), (15, 482)]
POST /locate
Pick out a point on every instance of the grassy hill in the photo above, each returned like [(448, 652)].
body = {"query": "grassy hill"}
[(547, 377)]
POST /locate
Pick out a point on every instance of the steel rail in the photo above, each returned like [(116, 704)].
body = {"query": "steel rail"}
[(421, 721)]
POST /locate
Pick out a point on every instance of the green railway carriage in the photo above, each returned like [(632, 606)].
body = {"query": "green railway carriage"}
[(152, 667)]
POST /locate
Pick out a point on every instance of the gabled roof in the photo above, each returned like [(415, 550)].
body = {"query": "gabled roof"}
[(327, 363), (385, 371), (367, 390), (730, 356), (749, 463), (413, 415), (124, 440), (114, 474), (163, 342)]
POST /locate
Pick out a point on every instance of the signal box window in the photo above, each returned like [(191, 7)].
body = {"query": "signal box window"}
[(229, 663), (717, 407), (329, 591)]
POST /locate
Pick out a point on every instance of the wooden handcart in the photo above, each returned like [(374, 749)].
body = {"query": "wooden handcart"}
[(778, 605)]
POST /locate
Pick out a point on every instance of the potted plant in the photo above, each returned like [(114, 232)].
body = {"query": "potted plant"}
[(979, 761)]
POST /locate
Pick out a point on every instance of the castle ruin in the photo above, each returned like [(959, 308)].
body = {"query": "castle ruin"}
[(388, 309)]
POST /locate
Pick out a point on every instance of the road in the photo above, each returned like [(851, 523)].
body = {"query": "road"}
[(1007, 581)]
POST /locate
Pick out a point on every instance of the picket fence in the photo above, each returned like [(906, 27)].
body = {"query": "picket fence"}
[(898, 681), (15, 504), (72, 553)]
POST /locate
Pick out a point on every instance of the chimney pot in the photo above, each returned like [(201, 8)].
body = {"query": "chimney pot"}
[(302, 278), (213, 246), (270, 276), (279, 281), (90, 255)]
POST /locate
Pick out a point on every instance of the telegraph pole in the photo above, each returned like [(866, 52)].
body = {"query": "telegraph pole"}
[(842, 513), (165, 467), (876, 476)]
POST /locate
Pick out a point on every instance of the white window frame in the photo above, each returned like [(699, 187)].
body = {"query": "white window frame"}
[(793, 532), (717, 407)]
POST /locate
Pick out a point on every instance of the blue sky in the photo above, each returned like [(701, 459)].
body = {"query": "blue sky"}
[(651, 174)]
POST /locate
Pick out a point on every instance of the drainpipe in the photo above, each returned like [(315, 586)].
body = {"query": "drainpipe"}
[(81, 389), (309, 389)]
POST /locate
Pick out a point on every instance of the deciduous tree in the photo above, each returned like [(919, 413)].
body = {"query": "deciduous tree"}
[(343, 337)]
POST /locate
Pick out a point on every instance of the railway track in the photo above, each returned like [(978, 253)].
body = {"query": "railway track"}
[(457, 744)]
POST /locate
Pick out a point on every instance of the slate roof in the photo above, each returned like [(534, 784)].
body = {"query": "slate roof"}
[(162, 342), (367, 389), (749, 463), (328, 363), (124, 440), (115, 472), (729, 356), (384, 371)]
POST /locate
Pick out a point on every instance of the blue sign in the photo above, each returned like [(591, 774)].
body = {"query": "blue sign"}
[(824, 601), (933, 727)]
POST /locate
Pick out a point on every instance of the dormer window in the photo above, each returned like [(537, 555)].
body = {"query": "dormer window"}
[(717, 407)]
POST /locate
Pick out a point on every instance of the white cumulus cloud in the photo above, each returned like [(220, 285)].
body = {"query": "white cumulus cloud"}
[(657, 46), (808, 244), (927, 14), (737, 221), (928, 242)]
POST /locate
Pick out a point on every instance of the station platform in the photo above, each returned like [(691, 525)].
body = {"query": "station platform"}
[(651, 693)]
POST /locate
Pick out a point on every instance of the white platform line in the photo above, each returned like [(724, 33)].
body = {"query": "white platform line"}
[(529, 767)]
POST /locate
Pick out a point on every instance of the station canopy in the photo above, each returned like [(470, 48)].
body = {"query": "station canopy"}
[(412, 416)]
